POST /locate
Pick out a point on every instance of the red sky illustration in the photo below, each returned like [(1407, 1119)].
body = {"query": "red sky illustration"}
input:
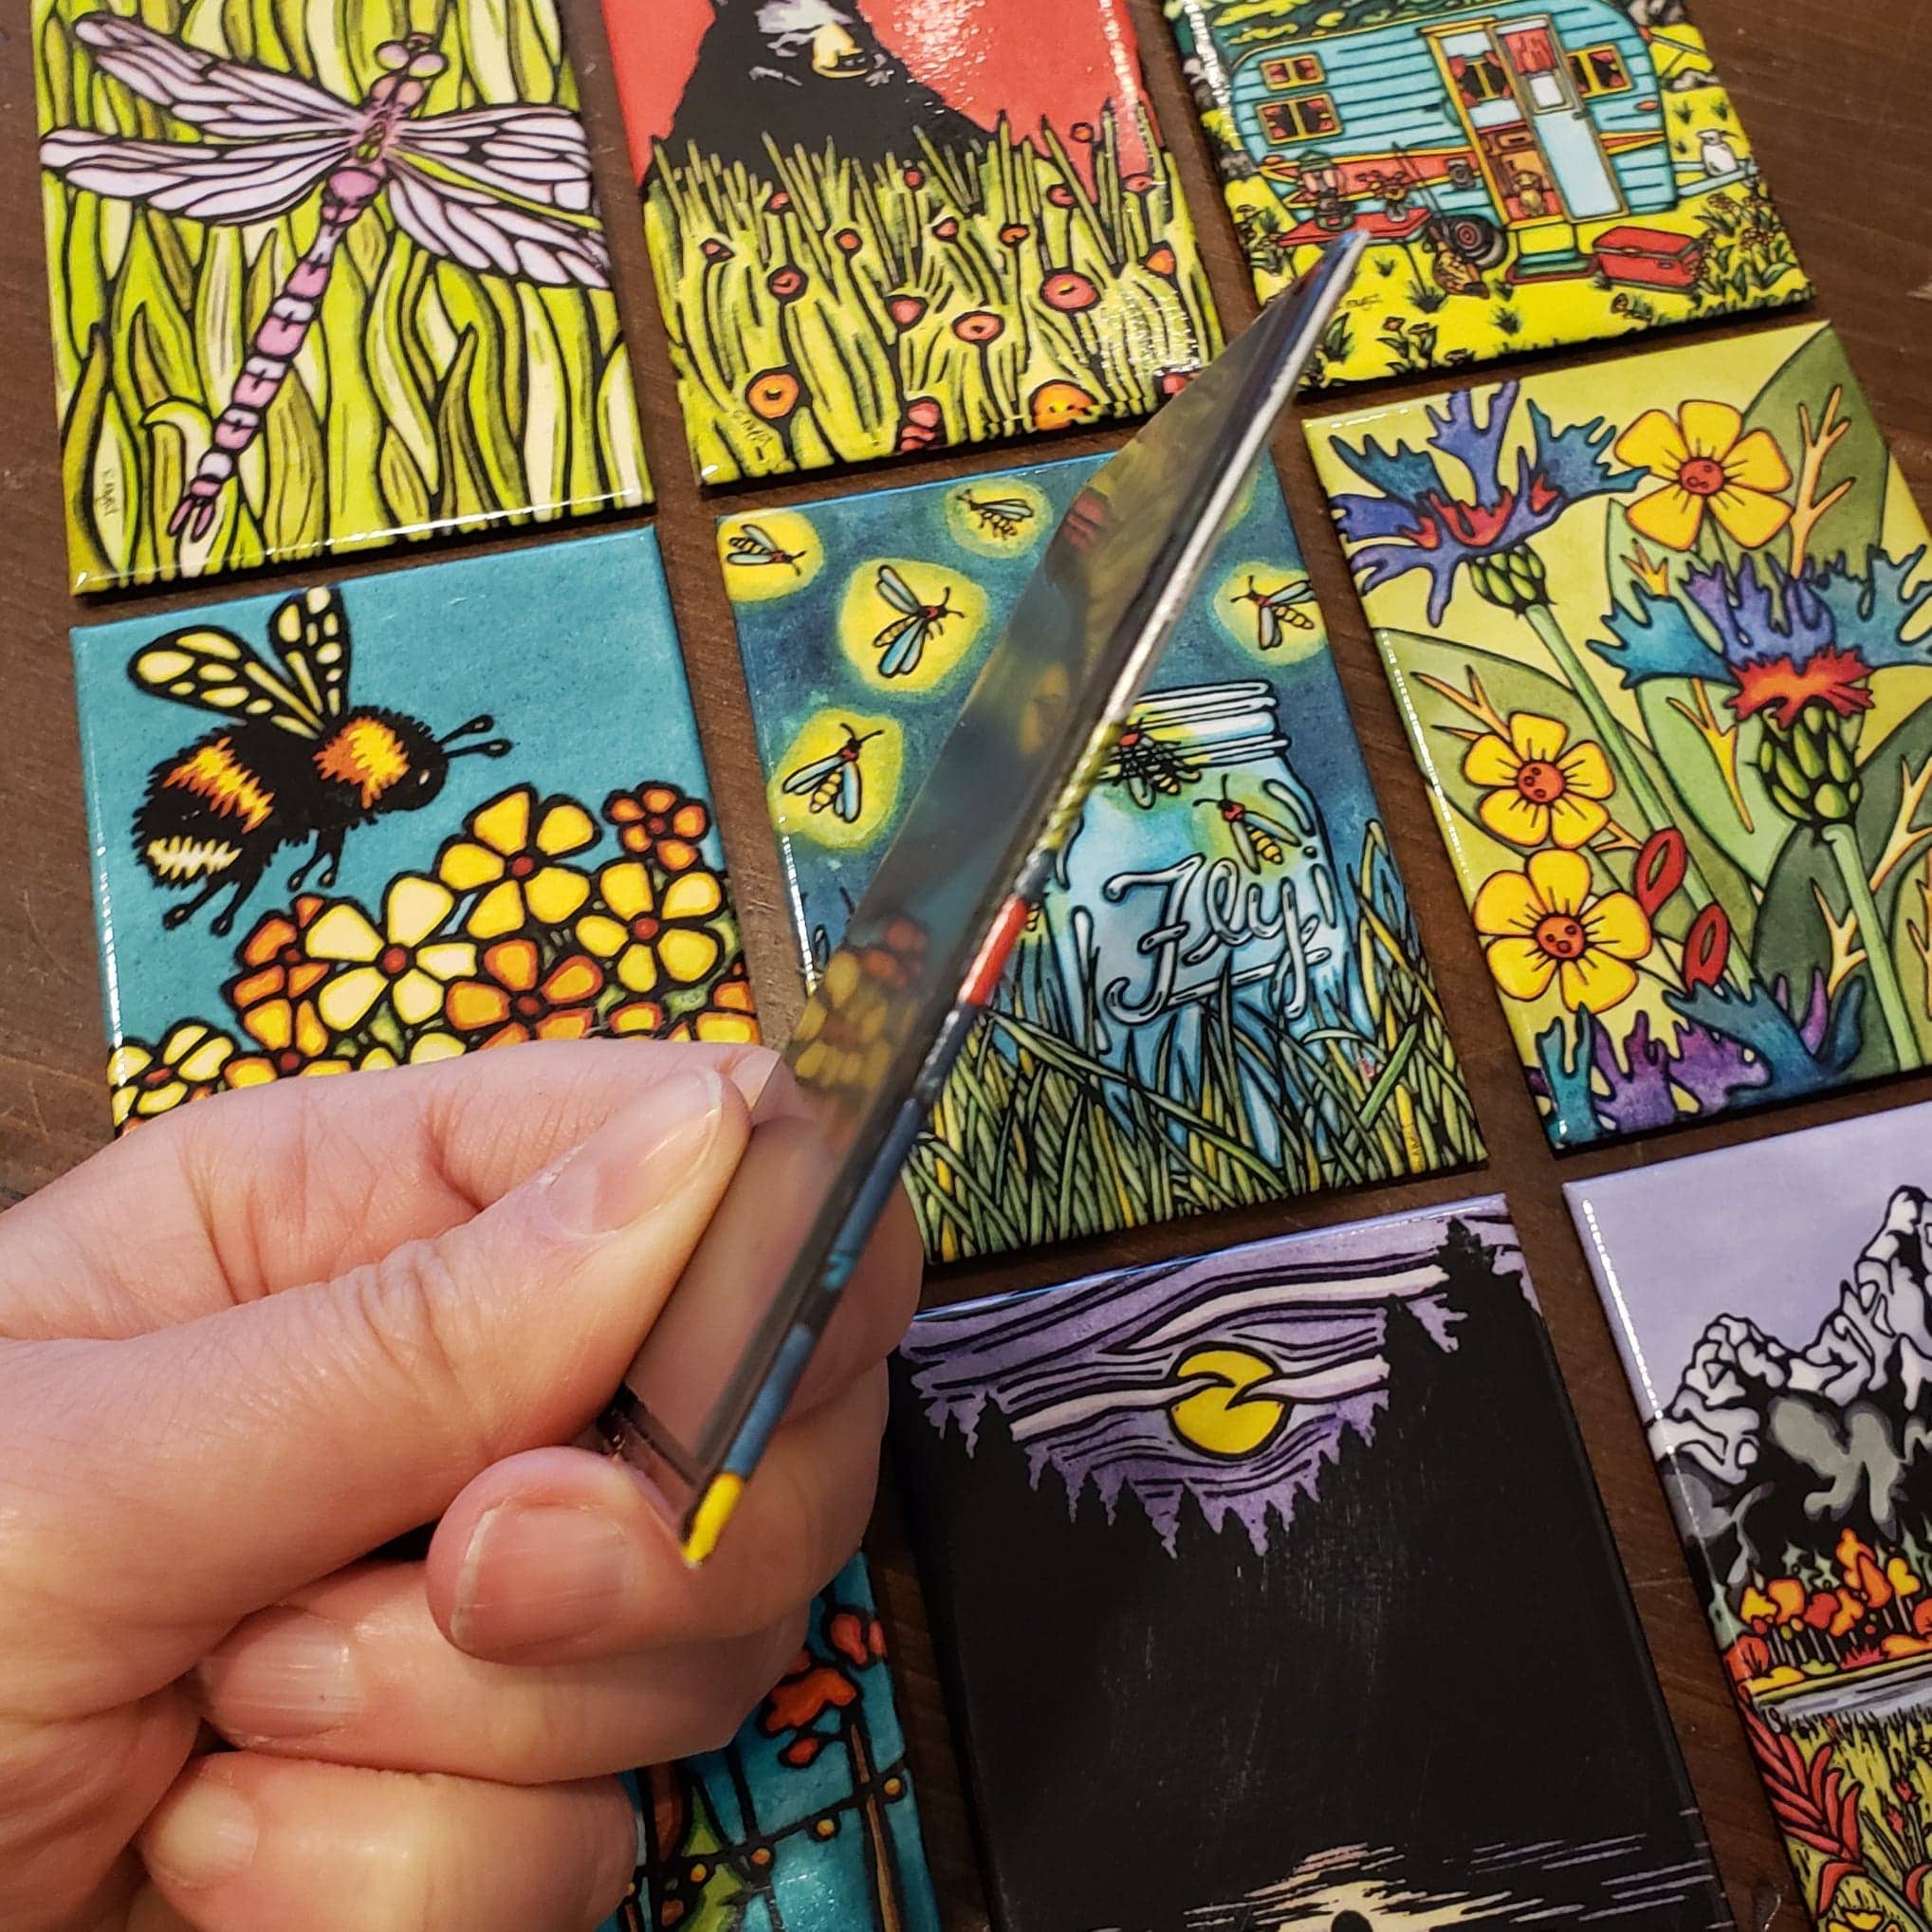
[(1060, 63)]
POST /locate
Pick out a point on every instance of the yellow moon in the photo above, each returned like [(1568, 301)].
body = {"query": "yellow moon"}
[(1222, 1420)]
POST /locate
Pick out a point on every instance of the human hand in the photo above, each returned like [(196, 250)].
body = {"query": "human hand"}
[(263, 1337)]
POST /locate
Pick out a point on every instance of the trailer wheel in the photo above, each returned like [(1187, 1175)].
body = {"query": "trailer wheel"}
[(1474, 237)]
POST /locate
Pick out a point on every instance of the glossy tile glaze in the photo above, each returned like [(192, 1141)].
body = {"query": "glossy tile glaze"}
[(1224, 999), (1534, 174), (323, 280), (1659, 671), (313, 855), (892, 226), (1314, 1507), (1773, 1306)]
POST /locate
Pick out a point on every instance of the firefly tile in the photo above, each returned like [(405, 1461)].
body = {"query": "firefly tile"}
[(315, 288), (1774, 1306), (1656, 677), (313, 853), (1224, 999), (1529, 174), (1314, 1508), (887, 226), (805, 1822)]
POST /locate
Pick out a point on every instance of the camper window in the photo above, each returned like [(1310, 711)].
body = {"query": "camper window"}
[(1297, 121), (1598, 70), (1293, 71), (1478, 77)]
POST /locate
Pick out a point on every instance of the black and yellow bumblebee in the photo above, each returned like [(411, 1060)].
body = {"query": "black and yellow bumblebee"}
[(290, 762)]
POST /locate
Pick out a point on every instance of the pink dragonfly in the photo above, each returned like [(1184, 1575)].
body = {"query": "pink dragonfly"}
[(468, 186)]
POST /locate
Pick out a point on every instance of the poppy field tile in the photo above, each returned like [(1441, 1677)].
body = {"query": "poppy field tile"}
[(1316, 1507), (1529, 174), (1772, 1302), (806, 1821), (1224, 999), (880, 228), (1655, 629), (321, 279), (313, 852)]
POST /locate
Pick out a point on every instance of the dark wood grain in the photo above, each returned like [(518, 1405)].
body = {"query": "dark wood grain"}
[(1833, 95)]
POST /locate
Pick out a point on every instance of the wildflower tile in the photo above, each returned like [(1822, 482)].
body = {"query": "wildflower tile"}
[(1528, 174), (322, 278), (806, 1821), (1657, 667), (1224, 999), (1315, 1507), (1774, 1306), (884, 228), (543, 868)]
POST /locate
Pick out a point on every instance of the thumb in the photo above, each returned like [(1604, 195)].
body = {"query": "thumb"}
[(226, 1460)]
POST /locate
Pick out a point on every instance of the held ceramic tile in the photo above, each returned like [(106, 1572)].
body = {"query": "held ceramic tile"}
[(322, 278), (1774, 1306), (893, 227), (1317, 1508), (400, 818), (1530, 172), (805, 1822), (1224, 999), (1654, 639)]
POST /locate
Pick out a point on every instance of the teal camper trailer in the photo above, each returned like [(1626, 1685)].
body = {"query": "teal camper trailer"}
[(1496, 128)]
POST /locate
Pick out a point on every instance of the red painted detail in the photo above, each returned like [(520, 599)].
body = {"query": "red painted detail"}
[(985, 976)]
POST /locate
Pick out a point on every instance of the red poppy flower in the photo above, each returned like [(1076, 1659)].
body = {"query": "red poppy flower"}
[(778, 202), (946, 230), (713, 249), (787, 283), (914, 177), (1138, 184), (1068, 290), (1060, 194), (979, 326), (773, 395), (850, 239), (905, 310), (1159, 259), (1082, 130), (1014, 233)]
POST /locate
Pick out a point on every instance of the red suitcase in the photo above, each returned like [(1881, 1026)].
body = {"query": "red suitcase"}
[(1648, 257)]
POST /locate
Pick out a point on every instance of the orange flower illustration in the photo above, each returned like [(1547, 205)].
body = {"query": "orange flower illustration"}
[(658, 821), (514, 998), (293, 1038), (1060, 404), (1536, 790), (1706, 463), (1543, 924)]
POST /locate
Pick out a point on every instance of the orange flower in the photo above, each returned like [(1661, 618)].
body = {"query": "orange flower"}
[(516, 999), (1160, 259), (977, 326), (1060, 404), (729, 1019), (1706, 462), (659, 821), (1068, 290), (293, 1040), (275, 964), (772, 394)]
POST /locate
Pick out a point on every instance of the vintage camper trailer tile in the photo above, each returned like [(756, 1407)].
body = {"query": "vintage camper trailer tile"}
[(1315, 1507), (320, 283), (1654, 665), (879, 226), (312, 854), (1532, 173), (1774, 1306), (805, 1822), (1224, 999)]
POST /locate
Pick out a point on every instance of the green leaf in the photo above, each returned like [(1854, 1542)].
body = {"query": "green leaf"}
[(82, 474), (295, 516)]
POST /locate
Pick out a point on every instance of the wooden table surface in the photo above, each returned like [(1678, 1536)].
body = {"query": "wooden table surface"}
[(1834, 94)]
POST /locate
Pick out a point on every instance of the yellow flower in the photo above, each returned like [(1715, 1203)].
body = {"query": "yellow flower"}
[(728, 1018), (293, 1040), (1541, 791), (1542, 924), (507, 856), (644, 937), (1862, 1922), (150, 1081), (403, 958), (1706, 462)]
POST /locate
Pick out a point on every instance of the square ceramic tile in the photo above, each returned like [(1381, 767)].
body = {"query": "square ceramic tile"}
[(1774, 1306), (890, 227), (1529, 174), (398, 818), (1271, 1589), (321, 279), (805, 1822), (1656, 629), (1224, 999)]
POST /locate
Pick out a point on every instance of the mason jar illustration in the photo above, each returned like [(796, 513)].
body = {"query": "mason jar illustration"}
[(1200, 864)]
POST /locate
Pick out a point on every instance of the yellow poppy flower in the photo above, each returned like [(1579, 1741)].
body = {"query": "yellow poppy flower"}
[(293, 1040), (402, 959), (507, 854), (1705, 463), (1543, 924), (645, 937), (1540, 791), (148, 1080)]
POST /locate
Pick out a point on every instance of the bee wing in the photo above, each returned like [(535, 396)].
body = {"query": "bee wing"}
[(902, 640), (895, 590), (310, 632), (213, 671), (807, 775), (849, 792)]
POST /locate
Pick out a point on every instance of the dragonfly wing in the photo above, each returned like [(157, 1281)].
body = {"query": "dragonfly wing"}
[(489, 237), (536, 154), (205, 181), (230, 99)]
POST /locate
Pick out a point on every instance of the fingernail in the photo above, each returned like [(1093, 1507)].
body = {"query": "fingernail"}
[(632, 1164), (285, 1674), (201, 1836), (537, 1573)]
